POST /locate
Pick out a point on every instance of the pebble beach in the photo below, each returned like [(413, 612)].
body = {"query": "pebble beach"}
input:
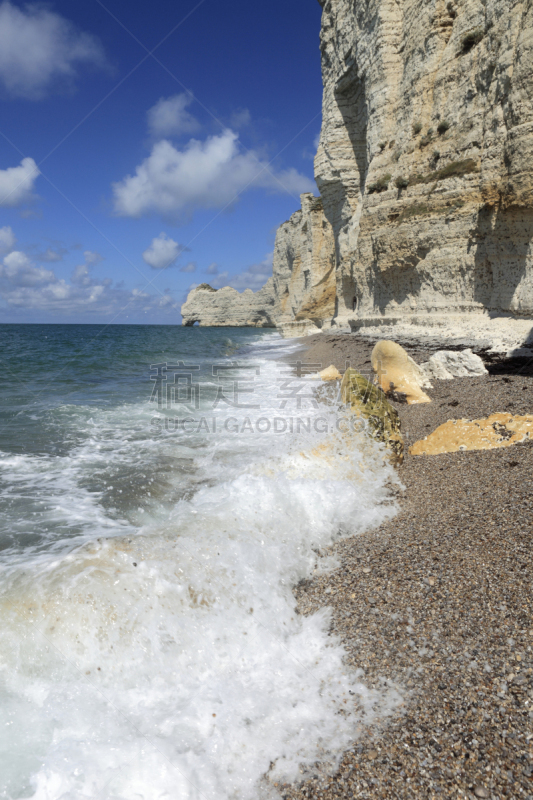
[(438, 603)]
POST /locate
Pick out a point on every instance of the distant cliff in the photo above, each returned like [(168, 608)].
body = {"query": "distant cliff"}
[(425, 172), (301, 293)]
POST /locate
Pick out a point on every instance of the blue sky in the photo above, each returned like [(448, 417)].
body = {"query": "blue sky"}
[(138, 136)]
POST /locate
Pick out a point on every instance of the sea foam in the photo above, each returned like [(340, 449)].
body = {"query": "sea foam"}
[(167, 659)]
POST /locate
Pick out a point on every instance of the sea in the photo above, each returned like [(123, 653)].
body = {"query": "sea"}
[(163, 489)]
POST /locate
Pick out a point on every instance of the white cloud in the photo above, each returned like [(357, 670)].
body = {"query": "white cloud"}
[(207, 174), (7, 239), (212, 269), (169, 116), (190, 267), (253, 278), (19, 271), (25, 288), (80, 275), (92, 257), (163, 252), (311, 154), (39, 47), (31, 213), (240, 119), (16, 183)]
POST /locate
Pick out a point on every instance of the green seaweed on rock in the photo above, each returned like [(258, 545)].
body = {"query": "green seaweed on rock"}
[(368, 401)]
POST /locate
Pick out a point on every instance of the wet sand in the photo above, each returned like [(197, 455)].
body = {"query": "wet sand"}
[(439, 602)]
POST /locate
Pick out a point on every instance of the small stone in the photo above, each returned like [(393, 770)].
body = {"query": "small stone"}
[(371, 601), (431, 581), (480, 791), (367, 570), (330, 374), (372, 754)]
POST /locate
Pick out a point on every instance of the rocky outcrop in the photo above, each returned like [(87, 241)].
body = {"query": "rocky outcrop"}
[(380, 418), (227, 306), (299, 296), (402, 379), (424, 168), (331, 373), (397, 374)]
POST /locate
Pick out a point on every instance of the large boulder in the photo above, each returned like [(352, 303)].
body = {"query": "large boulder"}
[(369, 402), (397, 373), (447, 364), (498, 430)]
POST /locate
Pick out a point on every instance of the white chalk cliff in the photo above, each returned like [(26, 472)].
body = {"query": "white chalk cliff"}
[(425, 174), (301, 292)]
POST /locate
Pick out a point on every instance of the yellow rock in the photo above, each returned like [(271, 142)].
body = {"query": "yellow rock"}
[(396, 371), (498, 430), (331, 373)]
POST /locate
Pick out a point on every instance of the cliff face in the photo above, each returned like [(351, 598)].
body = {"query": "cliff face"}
[(227, 306), (424, 163), (299, 296), (304, 268), (424, 168)]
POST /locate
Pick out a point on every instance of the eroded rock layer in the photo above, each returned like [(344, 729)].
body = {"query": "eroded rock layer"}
[(424, 168)]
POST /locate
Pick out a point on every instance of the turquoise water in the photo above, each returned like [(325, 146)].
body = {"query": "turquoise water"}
[(151, 534)]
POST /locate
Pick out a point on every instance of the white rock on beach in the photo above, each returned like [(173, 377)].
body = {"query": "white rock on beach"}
[(447, 364)]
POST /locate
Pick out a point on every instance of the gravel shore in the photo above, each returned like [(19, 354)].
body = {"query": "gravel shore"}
[(439, 601)]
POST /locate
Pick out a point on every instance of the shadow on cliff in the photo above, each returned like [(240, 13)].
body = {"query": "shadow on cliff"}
[(350, 96), (351, 101), (503, 250), (401, 279), (503, 245), (398, 284)]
